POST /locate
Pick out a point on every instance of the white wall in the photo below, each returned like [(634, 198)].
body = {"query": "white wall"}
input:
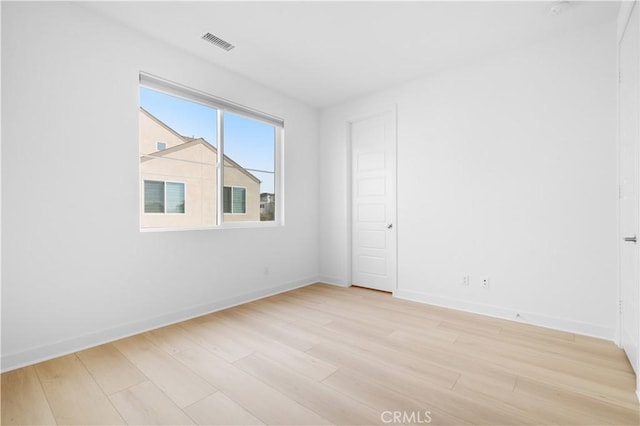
[(506, 168), (76, 271)]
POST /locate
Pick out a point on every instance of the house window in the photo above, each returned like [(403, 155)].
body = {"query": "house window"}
[(235, 200), (164, 197), (226, 154), (174, 196), (153, 196)]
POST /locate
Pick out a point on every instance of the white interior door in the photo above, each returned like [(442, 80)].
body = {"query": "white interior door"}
[(629, 116), (373, 154)]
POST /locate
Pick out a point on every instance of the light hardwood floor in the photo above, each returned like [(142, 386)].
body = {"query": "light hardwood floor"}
[(329, 355)]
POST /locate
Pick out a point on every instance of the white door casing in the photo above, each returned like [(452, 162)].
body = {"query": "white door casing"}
[(629, 140), (373, 208)]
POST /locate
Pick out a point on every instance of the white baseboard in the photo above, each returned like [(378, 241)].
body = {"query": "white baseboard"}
[(43, 353), (340, 282), (561, 324)]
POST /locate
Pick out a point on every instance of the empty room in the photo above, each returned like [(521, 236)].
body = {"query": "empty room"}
[(329, 212)]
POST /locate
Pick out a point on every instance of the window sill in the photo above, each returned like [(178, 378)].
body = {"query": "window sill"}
[(245, 225)]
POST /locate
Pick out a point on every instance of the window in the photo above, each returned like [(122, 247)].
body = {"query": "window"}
[(224, 159), (174, 196), (164, 197), (153, 196), (251, 146), (235, 200)]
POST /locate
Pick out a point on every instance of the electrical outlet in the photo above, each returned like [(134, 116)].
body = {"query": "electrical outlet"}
[(484, 282), (465, 280)]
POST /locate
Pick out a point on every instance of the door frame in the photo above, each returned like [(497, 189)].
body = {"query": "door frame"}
[(623, 22), (392, 110)]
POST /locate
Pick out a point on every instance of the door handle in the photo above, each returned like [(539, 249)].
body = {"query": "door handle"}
[(633, 239), (389, 226)]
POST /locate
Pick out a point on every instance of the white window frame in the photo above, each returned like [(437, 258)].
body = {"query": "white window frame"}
[(245, 200), (165, 198), (223, 105), (158, 146)]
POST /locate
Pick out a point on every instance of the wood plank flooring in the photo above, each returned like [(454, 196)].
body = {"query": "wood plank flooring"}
[(330, 355)]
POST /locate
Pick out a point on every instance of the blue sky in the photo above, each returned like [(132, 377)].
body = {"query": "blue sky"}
[(248, 142)]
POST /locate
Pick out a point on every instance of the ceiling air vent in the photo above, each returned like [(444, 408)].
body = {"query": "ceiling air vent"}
[(217, 41)]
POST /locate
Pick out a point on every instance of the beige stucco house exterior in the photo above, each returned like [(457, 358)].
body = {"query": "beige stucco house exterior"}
[(160, 147)]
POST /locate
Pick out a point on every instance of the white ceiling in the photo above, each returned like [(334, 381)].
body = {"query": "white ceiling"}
[(323, 53)]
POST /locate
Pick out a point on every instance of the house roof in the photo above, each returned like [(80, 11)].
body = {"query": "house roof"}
[(188, 143), (160, 123)]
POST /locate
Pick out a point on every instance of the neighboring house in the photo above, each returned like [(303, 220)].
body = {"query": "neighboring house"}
[(178, 180), (267, 206)]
